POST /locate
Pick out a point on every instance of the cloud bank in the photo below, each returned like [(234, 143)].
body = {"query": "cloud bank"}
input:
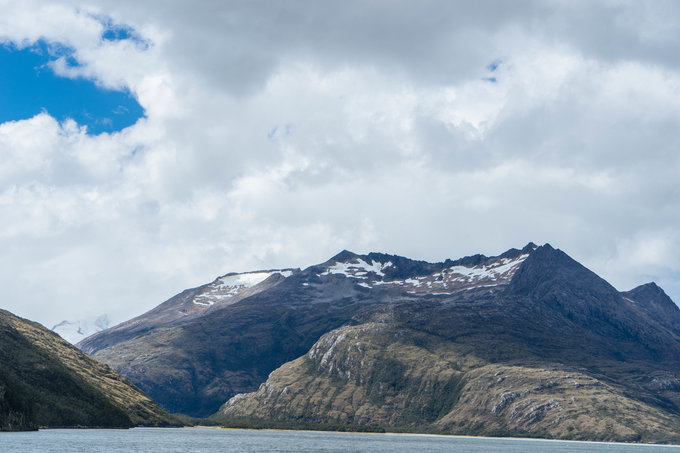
[(278, 133)]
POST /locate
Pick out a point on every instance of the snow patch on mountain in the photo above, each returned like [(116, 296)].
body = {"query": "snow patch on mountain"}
[(248, 279), (358, 268), (232, 284), (75, 331), (493, 272)]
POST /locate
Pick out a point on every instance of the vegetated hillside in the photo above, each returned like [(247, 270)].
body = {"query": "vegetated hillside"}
[(46, 382), (555, 352)]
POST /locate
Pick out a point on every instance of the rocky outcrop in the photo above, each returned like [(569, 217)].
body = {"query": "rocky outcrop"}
[(374, 374)]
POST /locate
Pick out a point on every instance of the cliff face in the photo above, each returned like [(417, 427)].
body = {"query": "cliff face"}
[(44, 381)]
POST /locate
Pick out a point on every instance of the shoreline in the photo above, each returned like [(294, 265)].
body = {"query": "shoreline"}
[(443, 436), (461, 436)]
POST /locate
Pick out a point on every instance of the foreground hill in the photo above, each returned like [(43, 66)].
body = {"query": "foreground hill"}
[(528, 343), (46, 382), (378, 375)]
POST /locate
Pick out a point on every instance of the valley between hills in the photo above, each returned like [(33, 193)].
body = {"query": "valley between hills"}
[(527, 343)]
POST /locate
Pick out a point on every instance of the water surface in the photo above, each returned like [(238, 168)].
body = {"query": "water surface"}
[(204, 440)]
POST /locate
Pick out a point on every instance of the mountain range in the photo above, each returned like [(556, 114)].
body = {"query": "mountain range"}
[(528, 342)]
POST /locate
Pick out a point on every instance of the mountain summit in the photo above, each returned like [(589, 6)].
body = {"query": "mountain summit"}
[(529, 342)]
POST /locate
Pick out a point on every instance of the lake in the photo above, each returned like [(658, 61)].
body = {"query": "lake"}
[(203, 440)]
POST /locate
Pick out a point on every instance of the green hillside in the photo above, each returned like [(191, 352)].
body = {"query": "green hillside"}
[(46, 382)]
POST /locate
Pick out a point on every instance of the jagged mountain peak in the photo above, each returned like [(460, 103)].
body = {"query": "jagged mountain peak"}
[(651, 292), (531, 246), (374, 265), (344, 255), (545, 265), (478, 259), (574, 295), (513, 253), (400, 262), (655, 303)]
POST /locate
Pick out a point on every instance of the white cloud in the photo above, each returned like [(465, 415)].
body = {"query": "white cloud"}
[(279, 134)]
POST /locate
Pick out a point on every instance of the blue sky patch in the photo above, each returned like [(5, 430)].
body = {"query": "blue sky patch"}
[(494, 65), (119, 32), (28, 86)]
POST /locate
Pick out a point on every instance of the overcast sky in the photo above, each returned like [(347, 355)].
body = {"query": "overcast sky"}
[(279, 133)]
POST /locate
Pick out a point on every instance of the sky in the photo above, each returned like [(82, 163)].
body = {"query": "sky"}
[(29, 86), (148, 147)]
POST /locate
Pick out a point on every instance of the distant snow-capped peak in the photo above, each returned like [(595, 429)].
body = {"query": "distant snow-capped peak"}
[(75, 331)]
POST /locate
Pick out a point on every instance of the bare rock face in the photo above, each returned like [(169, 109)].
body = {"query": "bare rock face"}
[(529, 342)]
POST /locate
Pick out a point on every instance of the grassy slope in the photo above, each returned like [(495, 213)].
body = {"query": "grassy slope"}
[(58, 385)]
